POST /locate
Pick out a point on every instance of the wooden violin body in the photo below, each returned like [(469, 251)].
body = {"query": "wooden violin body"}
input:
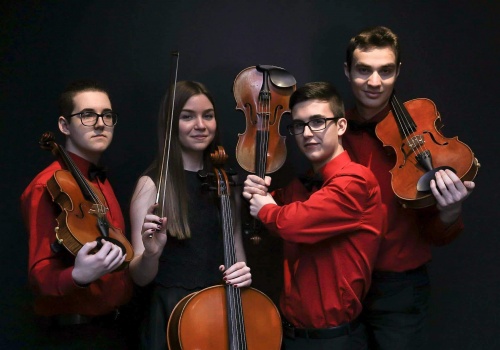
[(261, 149), (225, 317), (83, 208), (262, 93), (413, 132), (78, 223)]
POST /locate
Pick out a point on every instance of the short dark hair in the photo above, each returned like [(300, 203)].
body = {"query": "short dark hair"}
[(373, 37), (321, 91), (66, 103)]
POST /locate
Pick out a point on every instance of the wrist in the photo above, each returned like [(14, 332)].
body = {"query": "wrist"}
[(78, 281), (449, 217)]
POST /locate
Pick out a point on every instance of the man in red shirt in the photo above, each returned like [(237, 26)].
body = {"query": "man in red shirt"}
[(331, 236), (77, 296), (396, 307)]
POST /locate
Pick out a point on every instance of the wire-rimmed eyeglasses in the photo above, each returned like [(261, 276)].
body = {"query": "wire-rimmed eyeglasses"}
[(89, 118), (316, 124)]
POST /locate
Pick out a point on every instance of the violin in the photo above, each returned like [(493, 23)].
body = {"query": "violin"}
[(412, 130), (223, 317), (262, 93), (83, 216)]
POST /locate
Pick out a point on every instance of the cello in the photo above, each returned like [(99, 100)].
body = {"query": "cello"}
[(83, 208), (223, 317), (262, 93), (412, 130)]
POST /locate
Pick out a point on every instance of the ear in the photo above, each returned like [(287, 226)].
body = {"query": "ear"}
[(346, 72), (341, 126), (399, 70), (64, 126)]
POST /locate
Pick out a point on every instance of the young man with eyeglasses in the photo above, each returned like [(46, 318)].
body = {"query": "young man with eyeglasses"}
[(331, 234), (396, 307), (77, 297)]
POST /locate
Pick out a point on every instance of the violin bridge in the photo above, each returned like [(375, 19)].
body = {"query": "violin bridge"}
[(98, 209), (416, 141)]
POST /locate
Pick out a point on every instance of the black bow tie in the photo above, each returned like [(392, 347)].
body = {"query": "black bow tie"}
[(312, 182), (96, 171), (357, 127)]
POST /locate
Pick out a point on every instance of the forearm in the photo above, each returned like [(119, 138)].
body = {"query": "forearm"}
[(438, 231), (450, 216), (143, 269)]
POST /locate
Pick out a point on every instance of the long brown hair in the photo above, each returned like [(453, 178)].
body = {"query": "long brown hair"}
[(176, 204)]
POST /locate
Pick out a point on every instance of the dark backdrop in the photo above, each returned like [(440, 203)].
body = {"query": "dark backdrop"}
[(450, 55)]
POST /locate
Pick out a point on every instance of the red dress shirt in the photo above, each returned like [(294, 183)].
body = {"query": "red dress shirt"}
[(410, 232), (331, 239), (49, 273)]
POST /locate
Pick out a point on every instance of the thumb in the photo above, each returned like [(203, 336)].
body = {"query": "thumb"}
[(469, 185), (267, 180)]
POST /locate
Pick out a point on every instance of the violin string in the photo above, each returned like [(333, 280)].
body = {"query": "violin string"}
[(264, 109), (81, 179), (262, 135), (405, 121)]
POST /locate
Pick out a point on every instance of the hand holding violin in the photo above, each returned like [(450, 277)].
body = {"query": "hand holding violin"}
[(256, 192), (90, 266), (450, 192)]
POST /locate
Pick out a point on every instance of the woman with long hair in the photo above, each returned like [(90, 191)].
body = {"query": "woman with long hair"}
[(182, 252)]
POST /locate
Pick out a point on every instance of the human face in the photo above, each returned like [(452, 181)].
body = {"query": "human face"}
[(372, 76), (88, 142), (197, 127), (318, 146)]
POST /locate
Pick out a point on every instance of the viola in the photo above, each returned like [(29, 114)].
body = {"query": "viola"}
[(83, 208), (223, 317), (262, 93), (412, 130)]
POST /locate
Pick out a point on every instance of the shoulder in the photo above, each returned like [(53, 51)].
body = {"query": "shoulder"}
[(145, 184), (358, 170), (145, 189), (40, 180), (355, 178)]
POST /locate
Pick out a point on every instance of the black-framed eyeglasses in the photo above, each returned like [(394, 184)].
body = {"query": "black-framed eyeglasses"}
[(316, 124), (89, 118)]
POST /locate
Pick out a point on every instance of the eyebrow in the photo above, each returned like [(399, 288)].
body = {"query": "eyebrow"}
[(192, 111), (93, 110), (362, 65), (311, 117)]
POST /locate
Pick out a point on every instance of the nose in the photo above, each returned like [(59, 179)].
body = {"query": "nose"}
[(307, 131), (99, 122), (374, 79), (200, 123)]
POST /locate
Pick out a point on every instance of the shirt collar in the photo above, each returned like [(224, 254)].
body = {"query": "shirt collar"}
[(82, 164), (333, 166)]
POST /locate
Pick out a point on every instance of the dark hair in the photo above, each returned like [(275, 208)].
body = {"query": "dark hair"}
[(373, 37), (321, 91), (176, 195), (66, 102)]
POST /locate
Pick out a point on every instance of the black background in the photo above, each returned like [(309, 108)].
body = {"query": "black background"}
[(450, 55)]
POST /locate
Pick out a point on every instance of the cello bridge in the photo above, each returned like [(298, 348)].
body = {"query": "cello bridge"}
[(98, 209), (416, 141)]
